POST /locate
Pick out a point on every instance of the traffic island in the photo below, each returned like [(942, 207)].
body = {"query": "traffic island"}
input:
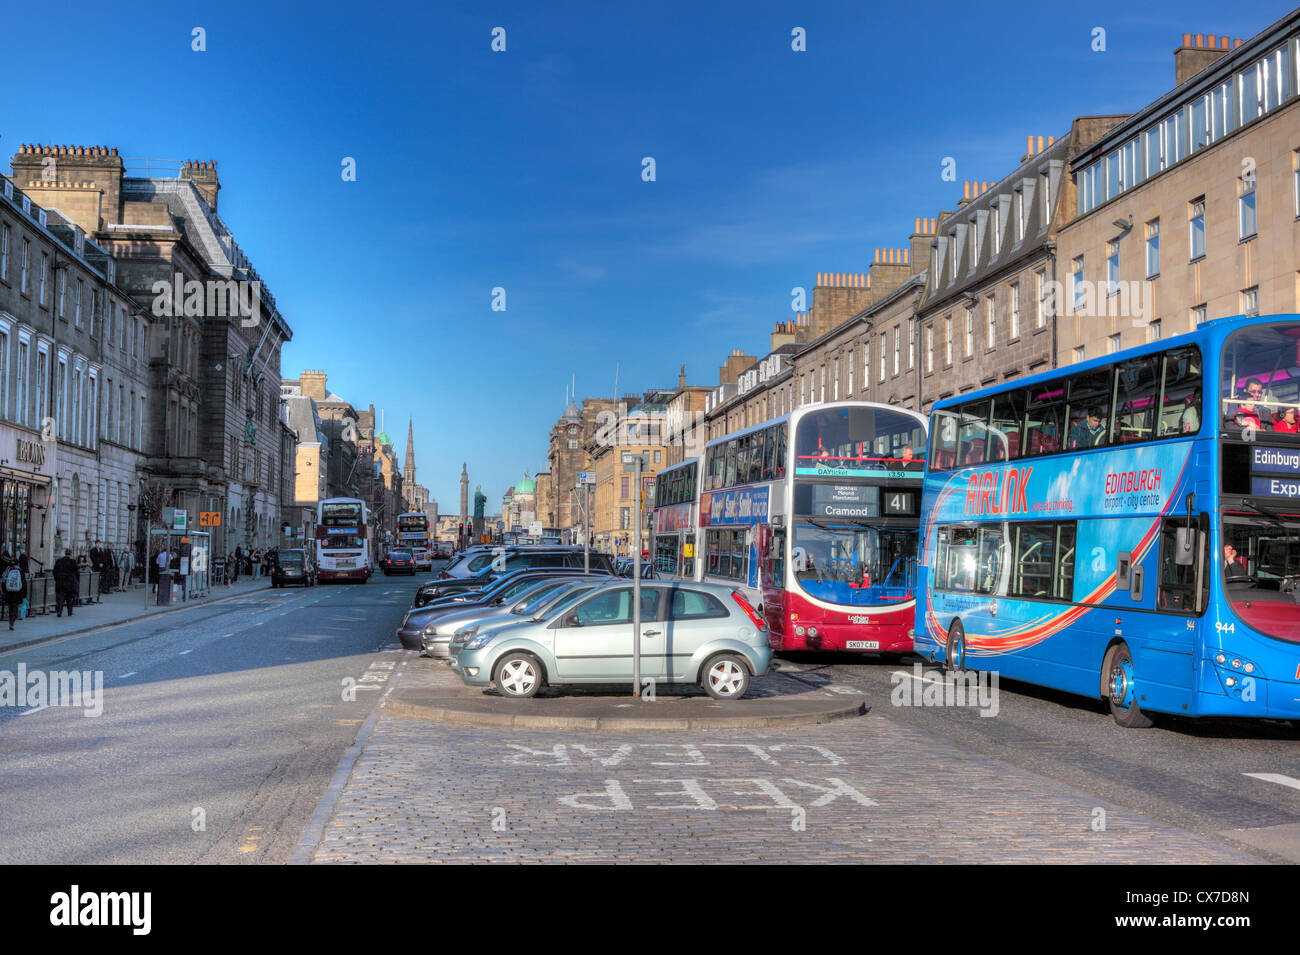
[(776, 701)]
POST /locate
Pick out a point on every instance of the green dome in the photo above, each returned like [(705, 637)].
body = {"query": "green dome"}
[(526, 486), (382, 439)]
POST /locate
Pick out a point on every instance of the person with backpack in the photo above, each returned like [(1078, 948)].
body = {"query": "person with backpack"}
[(66, 577), (14, 583)]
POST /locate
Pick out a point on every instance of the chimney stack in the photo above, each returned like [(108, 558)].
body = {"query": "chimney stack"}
[(1197, 52)]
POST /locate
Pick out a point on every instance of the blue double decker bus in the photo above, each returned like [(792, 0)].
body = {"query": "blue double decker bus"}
[(1126, 528)]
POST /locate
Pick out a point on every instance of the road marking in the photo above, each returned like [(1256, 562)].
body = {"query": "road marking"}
[(190, 650), (35, 709), (125, 675), (227, 634), (1288, 781)]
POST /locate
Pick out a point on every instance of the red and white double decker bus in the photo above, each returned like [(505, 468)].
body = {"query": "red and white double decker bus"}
[(413, 535), (342, 540), (815, 517)]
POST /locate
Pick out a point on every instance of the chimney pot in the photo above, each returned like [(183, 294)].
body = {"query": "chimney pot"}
[(1187, 39), (1236, 43)]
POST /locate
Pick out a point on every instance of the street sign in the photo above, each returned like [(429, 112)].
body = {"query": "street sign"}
[(586, 477), (175, 519), (535, 529), (209, 518)]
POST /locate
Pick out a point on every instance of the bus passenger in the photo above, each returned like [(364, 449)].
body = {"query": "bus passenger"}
[(1286, 422), (1088, 433), (1248, 415)]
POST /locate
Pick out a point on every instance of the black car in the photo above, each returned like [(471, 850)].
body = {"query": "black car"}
[(499, 560), (398, 562), (293, 567)]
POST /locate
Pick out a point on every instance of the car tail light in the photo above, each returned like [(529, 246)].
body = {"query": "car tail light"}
[(750, 612)]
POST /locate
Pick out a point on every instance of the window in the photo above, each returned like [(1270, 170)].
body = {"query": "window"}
[(1180, 407), (4, 252), (27, 254), (1088, 411), (45, 271), (76, 314), (822, 393), (695, 605), (896, 349), (970, 330), (1178, 590), (1045, 200), (1154, 330), (1040, 293), (1246, 217), (42, 373), (61, 397), (1077, 294), (866, 365), (1112, 344), (1015, 311), (1137, 390), (929, 348), (1042, 567), (990, 323), (911, 343), (20, 389), (1198, 315), (1006, 425), (835, 381), (1250, 301), (1153, 248), (1112, 268), (849, 380), (1200, 117), (1196, 227), (884, 339), (1019, 202), (995, 229), (974, 244), (1155, 150), (4, 373), (1079, 352), (1295, 188), (947, 339), (952, 255)]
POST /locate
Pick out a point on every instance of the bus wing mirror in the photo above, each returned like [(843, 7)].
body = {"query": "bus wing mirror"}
[(1185, 546)]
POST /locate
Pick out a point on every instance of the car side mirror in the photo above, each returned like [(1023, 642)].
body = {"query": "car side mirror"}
[(572, 620)]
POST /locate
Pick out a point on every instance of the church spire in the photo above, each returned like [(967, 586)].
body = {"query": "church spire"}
[(408, 472)]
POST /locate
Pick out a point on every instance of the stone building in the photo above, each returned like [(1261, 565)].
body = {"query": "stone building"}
[(341, 425), (561, 502), (213, 331), (74, 386), (416, 495), (1189, 210), (634, 427), (310, 468)]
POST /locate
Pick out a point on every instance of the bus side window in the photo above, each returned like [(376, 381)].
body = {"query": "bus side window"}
[(1064, 588), (943, 447)]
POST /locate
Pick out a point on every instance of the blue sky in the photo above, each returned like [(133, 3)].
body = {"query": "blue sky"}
[(522, 170)]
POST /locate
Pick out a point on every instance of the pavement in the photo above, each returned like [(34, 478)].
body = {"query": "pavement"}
[(112, 609), (864, 789), (432, 691)]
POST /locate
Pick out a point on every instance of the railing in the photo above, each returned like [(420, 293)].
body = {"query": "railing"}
[(42, 595)]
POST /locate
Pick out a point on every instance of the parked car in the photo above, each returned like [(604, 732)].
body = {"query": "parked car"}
[(438, 633), (501, 559), (418, 619), (293, 567), (691, 633), (436, 590), (398, 562), (624, 566)]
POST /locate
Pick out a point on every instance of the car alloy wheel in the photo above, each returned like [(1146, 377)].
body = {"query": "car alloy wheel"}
[(518, 675), (726, 678)]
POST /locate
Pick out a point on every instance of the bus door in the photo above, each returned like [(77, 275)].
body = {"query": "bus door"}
[(774, 579)]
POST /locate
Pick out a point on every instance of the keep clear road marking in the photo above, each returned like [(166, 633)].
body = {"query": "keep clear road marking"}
[(1278, 778)]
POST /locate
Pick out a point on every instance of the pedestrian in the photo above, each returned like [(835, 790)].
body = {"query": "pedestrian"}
[(66, 576), (161, 562), (236, 565), (14, 582)]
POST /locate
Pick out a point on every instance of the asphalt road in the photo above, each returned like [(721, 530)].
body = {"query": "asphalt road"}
[(221, 727), (1200, 775)]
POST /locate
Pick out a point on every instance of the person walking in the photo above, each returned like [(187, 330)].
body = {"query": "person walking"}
[(14, 582), (161, 562), (66, 575), (236, 565)]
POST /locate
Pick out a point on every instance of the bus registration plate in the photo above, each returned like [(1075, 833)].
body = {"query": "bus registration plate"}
[(346, 563), (862, 644)]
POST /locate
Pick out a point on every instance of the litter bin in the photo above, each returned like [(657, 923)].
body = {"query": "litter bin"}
[(165, 588)]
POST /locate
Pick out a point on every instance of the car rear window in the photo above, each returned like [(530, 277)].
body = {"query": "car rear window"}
[(696, 605)]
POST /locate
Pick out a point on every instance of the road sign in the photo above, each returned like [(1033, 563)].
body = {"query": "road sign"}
[(535, 529), (175, 519), (209, 518), (586, 477)]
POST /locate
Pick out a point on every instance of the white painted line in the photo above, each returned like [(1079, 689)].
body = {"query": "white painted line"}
[(224, 635), (35, 709), (930, 676), (125, 675), (1288, 781)]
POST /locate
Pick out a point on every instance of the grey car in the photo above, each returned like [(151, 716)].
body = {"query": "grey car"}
[(705, 634), (437, 633)]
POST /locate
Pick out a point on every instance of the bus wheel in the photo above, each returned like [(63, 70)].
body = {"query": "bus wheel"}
[(1121, 689), (955, 655)]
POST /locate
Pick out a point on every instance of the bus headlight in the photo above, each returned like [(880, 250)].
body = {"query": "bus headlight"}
[(812, 631), (1249, 667), (798, 631), (1236, 664), (1230, 680), (1220, 659)]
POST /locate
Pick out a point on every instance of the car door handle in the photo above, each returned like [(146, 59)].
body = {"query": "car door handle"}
[(649, 633)]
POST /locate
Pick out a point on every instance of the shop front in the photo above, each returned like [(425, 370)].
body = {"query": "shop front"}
[(26, 464)]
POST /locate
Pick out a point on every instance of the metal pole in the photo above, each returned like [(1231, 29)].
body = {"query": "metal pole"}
[(636, 585), (148, 536), (586, 527)]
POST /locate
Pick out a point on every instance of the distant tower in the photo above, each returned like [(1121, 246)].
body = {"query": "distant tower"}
[(464, 493), (408, 472)]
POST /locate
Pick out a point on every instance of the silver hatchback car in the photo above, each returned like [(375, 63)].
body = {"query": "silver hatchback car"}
[(691, 633)]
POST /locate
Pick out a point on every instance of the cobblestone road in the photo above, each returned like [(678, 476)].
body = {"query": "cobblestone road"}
[(866, 790)]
